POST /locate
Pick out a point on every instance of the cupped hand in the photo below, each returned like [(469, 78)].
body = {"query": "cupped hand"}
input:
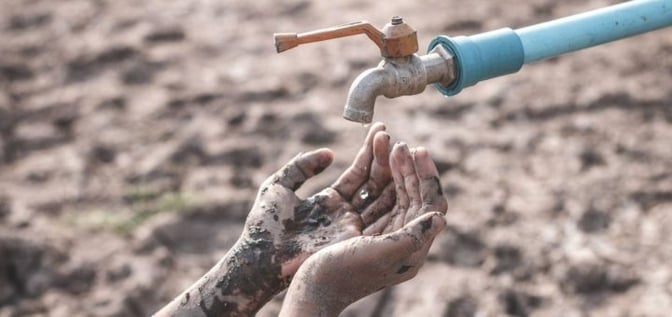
[(282, 230), (343, 273), (298, 228)]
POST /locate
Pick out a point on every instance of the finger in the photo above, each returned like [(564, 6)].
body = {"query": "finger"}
[(383, 205), (398, 157), (358, 172), (415, 236), (380, 171), (301, 168), (397, 218), (380, 175), (395, 167), (353, 222), (378, 226), (411, 183), (399, 221), (430, 186), (392, 220)]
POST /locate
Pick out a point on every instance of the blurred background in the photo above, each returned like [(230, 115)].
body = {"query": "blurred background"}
[(133, 136)]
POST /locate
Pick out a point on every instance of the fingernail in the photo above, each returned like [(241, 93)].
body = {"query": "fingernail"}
[(431, 226), (379, 124), (420, 152)]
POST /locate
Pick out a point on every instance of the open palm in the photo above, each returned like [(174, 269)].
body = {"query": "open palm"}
[(299, 228)]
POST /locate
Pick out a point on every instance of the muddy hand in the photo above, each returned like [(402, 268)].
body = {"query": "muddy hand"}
[(282, 230), (298, 228), (343, 273), (374, 262)]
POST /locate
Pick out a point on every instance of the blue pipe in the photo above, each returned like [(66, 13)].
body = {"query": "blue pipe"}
[(504, 51)]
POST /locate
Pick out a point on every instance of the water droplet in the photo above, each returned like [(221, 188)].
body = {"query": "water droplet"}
[(363, 194)]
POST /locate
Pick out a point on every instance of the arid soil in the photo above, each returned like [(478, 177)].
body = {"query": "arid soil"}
[(133, 136)]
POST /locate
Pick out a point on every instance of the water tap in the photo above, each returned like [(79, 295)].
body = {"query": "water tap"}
[(402, 72), (455, 63)]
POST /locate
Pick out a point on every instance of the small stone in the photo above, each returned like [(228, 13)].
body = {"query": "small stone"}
[(464, 306), (462, 249), (5, 207), (593, 221)]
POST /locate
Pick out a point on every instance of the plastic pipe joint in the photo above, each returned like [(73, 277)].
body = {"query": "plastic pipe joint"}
[(481, 57)]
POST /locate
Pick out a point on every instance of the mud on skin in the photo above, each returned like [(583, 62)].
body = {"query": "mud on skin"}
[(428, 196), (246, 280), (239, 278), (308, 216)]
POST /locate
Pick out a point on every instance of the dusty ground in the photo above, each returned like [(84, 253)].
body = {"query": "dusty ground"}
[(134, 134)]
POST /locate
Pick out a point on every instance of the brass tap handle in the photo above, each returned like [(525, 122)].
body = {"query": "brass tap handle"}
[(285, 41), (396, 40)]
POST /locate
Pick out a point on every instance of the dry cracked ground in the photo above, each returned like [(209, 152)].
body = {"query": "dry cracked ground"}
[(133, 136)]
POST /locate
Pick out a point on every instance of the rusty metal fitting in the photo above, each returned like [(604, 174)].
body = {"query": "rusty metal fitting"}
[(399, 39)]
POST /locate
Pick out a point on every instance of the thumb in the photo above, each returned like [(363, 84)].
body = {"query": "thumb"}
[(301, 168), (414, 236)]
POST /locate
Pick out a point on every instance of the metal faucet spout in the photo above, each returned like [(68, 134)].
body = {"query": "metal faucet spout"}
[(363, 92)]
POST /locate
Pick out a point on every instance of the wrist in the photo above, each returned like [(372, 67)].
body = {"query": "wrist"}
[(309, 303), (242, 282), (250, 270), (307, 296)]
